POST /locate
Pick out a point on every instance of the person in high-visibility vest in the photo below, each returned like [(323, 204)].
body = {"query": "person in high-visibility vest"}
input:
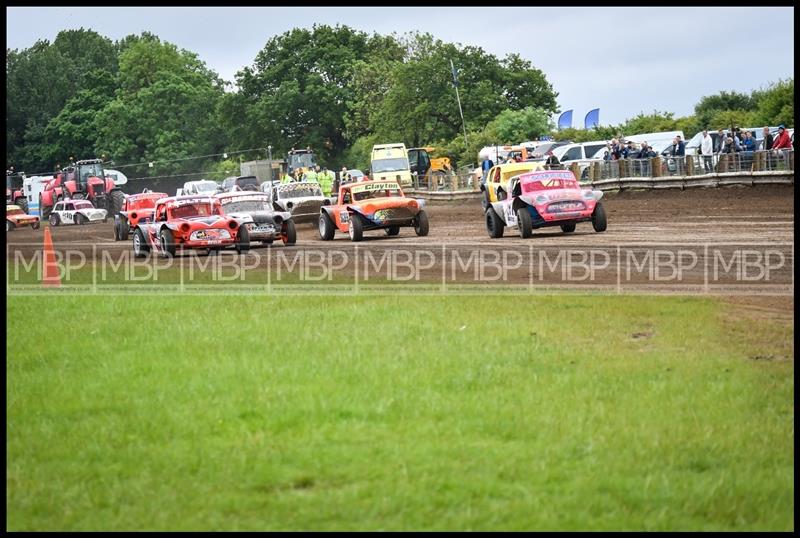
[(311, 175), (285, 177), (325, 179)]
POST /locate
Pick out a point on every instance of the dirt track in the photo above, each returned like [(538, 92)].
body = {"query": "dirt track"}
[(690, 218)]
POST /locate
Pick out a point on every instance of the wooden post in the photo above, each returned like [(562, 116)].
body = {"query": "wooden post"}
[(689, 165), (655, 167), (575, 169)]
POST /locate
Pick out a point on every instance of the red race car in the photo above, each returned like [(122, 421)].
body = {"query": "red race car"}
[(135, 209), (189, 222)]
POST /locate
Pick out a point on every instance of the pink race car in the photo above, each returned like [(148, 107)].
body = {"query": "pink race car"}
[(545, 198)]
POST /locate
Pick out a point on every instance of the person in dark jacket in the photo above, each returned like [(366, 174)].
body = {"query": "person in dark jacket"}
[(766, 144)]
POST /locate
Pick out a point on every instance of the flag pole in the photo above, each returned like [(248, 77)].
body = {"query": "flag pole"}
[(455, 83)]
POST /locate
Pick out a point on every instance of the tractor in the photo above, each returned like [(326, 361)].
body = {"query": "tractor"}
[(429, 170), (82, 180), (300, 160), (14, 192)]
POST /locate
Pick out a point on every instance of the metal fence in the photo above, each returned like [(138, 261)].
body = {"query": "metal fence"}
[(692, 165), (454, 180)]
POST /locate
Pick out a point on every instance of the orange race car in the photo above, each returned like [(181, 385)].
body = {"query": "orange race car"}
[(136, 208), (372, 205), (16, 217)]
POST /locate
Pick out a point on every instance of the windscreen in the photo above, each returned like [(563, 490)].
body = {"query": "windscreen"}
[(196, 209), (389, 165), (298, 190), (247, 205)]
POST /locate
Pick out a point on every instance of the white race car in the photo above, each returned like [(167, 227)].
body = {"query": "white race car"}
[(76, 212)]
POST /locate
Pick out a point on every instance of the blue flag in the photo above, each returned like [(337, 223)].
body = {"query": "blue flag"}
[(592, 119), (565, 120)]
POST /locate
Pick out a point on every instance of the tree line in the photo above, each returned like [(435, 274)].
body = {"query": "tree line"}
[(335, 89)]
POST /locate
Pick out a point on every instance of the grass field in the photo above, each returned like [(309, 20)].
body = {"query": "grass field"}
[(238, 413)]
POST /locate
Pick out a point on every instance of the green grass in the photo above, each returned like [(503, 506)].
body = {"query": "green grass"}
[(433, 413)]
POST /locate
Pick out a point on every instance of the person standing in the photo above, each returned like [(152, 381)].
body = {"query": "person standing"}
[(311, 174), (707, 151), (325, 179), (782, 141), (767, 143)]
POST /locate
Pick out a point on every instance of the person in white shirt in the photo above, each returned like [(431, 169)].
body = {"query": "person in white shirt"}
[(707, 150)]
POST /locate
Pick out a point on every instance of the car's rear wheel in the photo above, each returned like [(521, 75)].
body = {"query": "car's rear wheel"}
[(421, 225), (289, 233), (568, 228), (493, 224), (392, 230), (326, 227), (124, 228), (356, 228), (35, 225), (599, 222), (524, 222), (167, 242), (140, 248)]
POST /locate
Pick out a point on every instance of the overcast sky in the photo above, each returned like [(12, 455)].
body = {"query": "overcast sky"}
[(621, 60)]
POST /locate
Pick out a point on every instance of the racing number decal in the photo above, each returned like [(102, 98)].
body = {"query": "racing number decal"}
[(68, 215), (511, 218)]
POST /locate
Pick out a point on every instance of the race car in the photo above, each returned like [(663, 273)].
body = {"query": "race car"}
[(16, 217), (545, 198), (189, 222), (494, 187), (254, 211), (372, 205), (302, 199), (136, 208), (76, 212)]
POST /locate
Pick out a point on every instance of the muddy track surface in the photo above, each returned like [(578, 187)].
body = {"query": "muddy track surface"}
[(725, 218)]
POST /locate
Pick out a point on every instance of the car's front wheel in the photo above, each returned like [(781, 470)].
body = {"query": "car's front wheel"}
[(568, 228), (421, 225), (356, 228), (167, 242), (289, 233), (243, 240), (524, 222), (55, 220), (599, 222)]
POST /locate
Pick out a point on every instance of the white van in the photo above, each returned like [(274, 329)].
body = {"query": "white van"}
[(32, 187), (582, 154), (390, 162)]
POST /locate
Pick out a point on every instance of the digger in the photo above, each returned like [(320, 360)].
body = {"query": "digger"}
[(300, 161), (429, 170)]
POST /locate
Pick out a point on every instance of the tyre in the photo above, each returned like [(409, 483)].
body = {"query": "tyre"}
[(524, 222), (494, 225), (80, 219), (421, 225), (140, 247), (36, 225), (44, 210), (22, 203), (9, 225), (501, 195), (326, 227), (568, 228), (116, 201), (167, 242), (289, 233), (391, 231), (356, 228), (55, 220), (243, 240), (485, 199), (124, 228), (116, 230), (599, 222)]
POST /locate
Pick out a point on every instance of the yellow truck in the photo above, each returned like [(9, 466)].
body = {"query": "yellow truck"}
[(390, 163), (431, 171)]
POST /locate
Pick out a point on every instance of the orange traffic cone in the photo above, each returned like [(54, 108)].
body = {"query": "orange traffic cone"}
[(51, 277)]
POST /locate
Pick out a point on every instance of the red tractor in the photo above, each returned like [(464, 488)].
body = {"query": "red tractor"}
[(14, 194), (83, 180)]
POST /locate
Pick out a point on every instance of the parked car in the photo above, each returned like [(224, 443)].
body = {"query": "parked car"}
[(583, 154), (16, 218), (203, 186), (255, 212), (372, 205), (188, 222), (545, 198), (242, 183), (76, 212), (136, 208)]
